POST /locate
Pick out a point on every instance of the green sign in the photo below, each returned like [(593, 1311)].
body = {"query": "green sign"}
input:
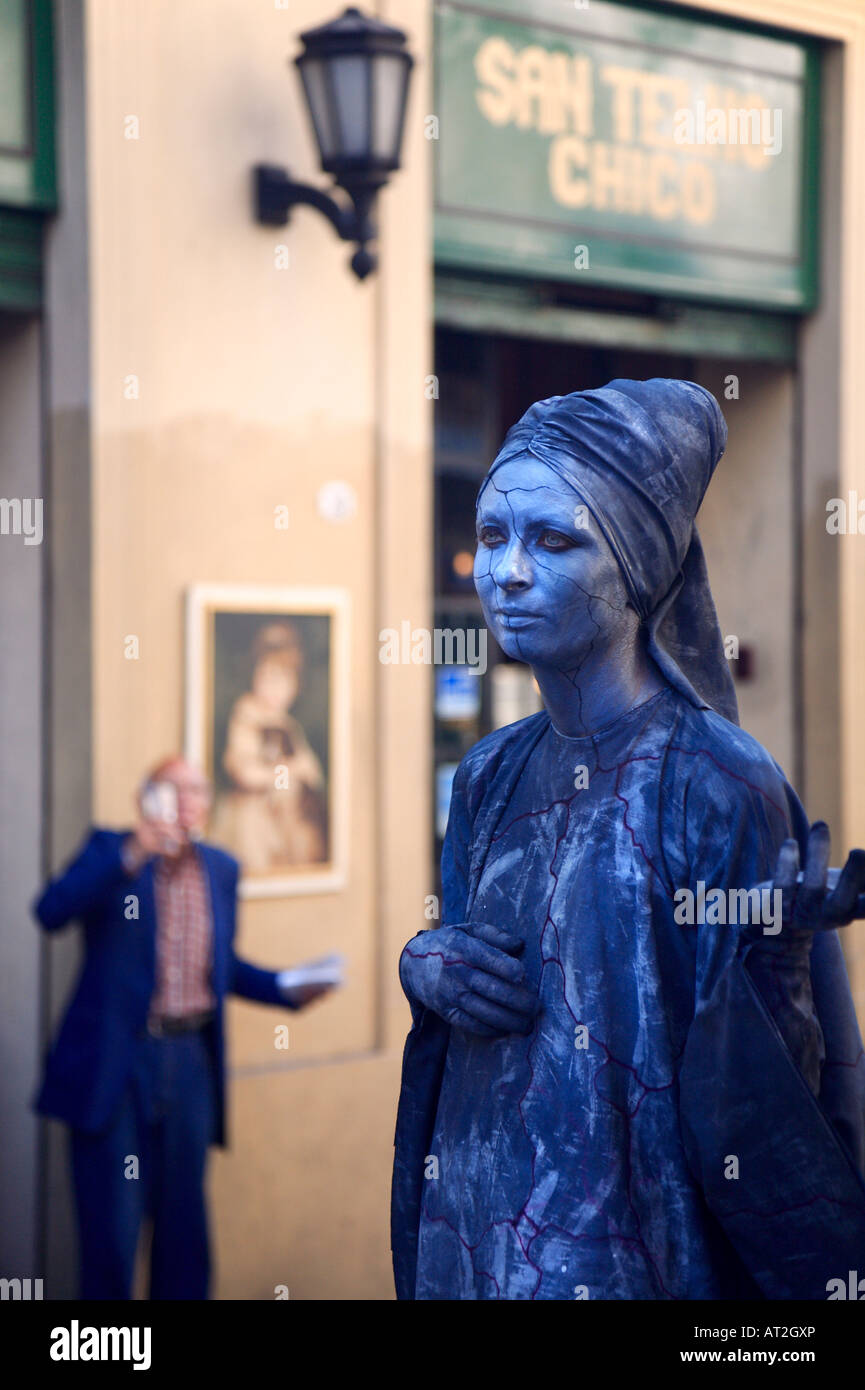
[(26, 105), (637, 150), (27, 177)]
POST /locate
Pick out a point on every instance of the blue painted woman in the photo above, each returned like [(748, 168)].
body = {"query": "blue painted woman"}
[(620, 1084)]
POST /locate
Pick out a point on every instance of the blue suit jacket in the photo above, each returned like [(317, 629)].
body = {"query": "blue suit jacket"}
[(93, 1054)]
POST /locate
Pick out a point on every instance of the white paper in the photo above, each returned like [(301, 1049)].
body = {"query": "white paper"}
[(325, 970)]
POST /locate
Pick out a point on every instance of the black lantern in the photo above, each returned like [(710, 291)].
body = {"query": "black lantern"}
[(355, 74)]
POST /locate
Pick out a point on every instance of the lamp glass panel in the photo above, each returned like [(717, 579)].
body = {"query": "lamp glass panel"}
[(350, 85), (312, 70), (390, 76)]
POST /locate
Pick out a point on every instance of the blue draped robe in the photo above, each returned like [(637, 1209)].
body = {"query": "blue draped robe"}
[(662, 1132)]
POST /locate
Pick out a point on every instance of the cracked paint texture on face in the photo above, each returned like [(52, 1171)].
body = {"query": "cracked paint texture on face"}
[(548, 582), (639, 455)]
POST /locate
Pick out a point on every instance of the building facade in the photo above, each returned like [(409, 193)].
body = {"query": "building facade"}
[(206, 406)]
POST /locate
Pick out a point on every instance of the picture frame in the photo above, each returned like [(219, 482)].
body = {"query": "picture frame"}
[(266, 717)]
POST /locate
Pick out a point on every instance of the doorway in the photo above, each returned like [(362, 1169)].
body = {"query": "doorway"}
[(748, 525)]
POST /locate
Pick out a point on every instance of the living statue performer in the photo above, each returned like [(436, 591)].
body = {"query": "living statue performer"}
[(615, 1088)]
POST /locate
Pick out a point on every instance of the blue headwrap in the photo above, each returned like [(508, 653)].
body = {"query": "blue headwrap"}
[(640, 454)]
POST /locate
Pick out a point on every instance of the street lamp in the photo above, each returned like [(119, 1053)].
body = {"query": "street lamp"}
[(355, 74)]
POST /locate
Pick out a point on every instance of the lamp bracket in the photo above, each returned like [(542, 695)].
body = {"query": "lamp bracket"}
[(276, 193)]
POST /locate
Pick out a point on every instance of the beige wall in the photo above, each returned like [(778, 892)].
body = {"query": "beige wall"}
[(256, 386), (748, 532), (842, 344)]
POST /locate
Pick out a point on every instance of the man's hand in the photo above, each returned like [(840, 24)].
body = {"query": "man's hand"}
[(153, 837), (818, 898), (301, 995), (468, 975)]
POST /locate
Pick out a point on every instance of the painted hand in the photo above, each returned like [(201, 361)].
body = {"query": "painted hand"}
[(817, 898), (468, 975)]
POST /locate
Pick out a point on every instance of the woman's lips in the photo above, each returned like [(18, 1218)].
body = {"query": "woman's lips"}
[(514, 618)]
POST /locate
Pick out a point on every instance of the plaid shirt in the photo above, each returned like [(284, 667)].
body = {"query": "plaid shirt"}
[(184, 938)]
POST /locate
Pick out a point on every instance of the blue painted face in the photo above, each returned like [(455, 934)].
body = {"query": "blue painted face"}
[(549, 584)]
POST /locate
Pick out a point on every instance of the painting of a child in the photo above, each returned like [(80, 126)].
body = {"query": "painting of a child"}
[(273, 813)]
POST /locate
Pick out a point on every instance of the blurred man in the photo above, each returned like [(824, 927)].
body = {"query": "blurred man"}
[(137, 1069)]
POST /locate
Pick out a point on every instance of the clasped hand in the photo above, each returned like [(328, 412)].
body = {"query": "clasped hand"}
[(470, 976)]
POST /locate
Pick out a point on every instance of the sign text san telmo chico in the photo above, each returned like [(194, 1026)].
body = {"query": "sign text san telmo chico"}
[(674, 153)]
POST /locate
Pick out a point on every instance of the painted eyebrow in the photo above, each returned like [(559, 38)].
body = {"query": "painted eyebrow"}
[(548, 523)]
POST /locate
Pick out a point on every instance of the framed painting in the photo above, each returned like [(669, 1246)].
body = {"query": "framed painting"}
[(267, 689)]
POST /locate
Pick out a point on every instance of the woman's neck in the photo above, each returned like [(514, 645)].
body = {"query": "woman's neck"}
[(604, 687)]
